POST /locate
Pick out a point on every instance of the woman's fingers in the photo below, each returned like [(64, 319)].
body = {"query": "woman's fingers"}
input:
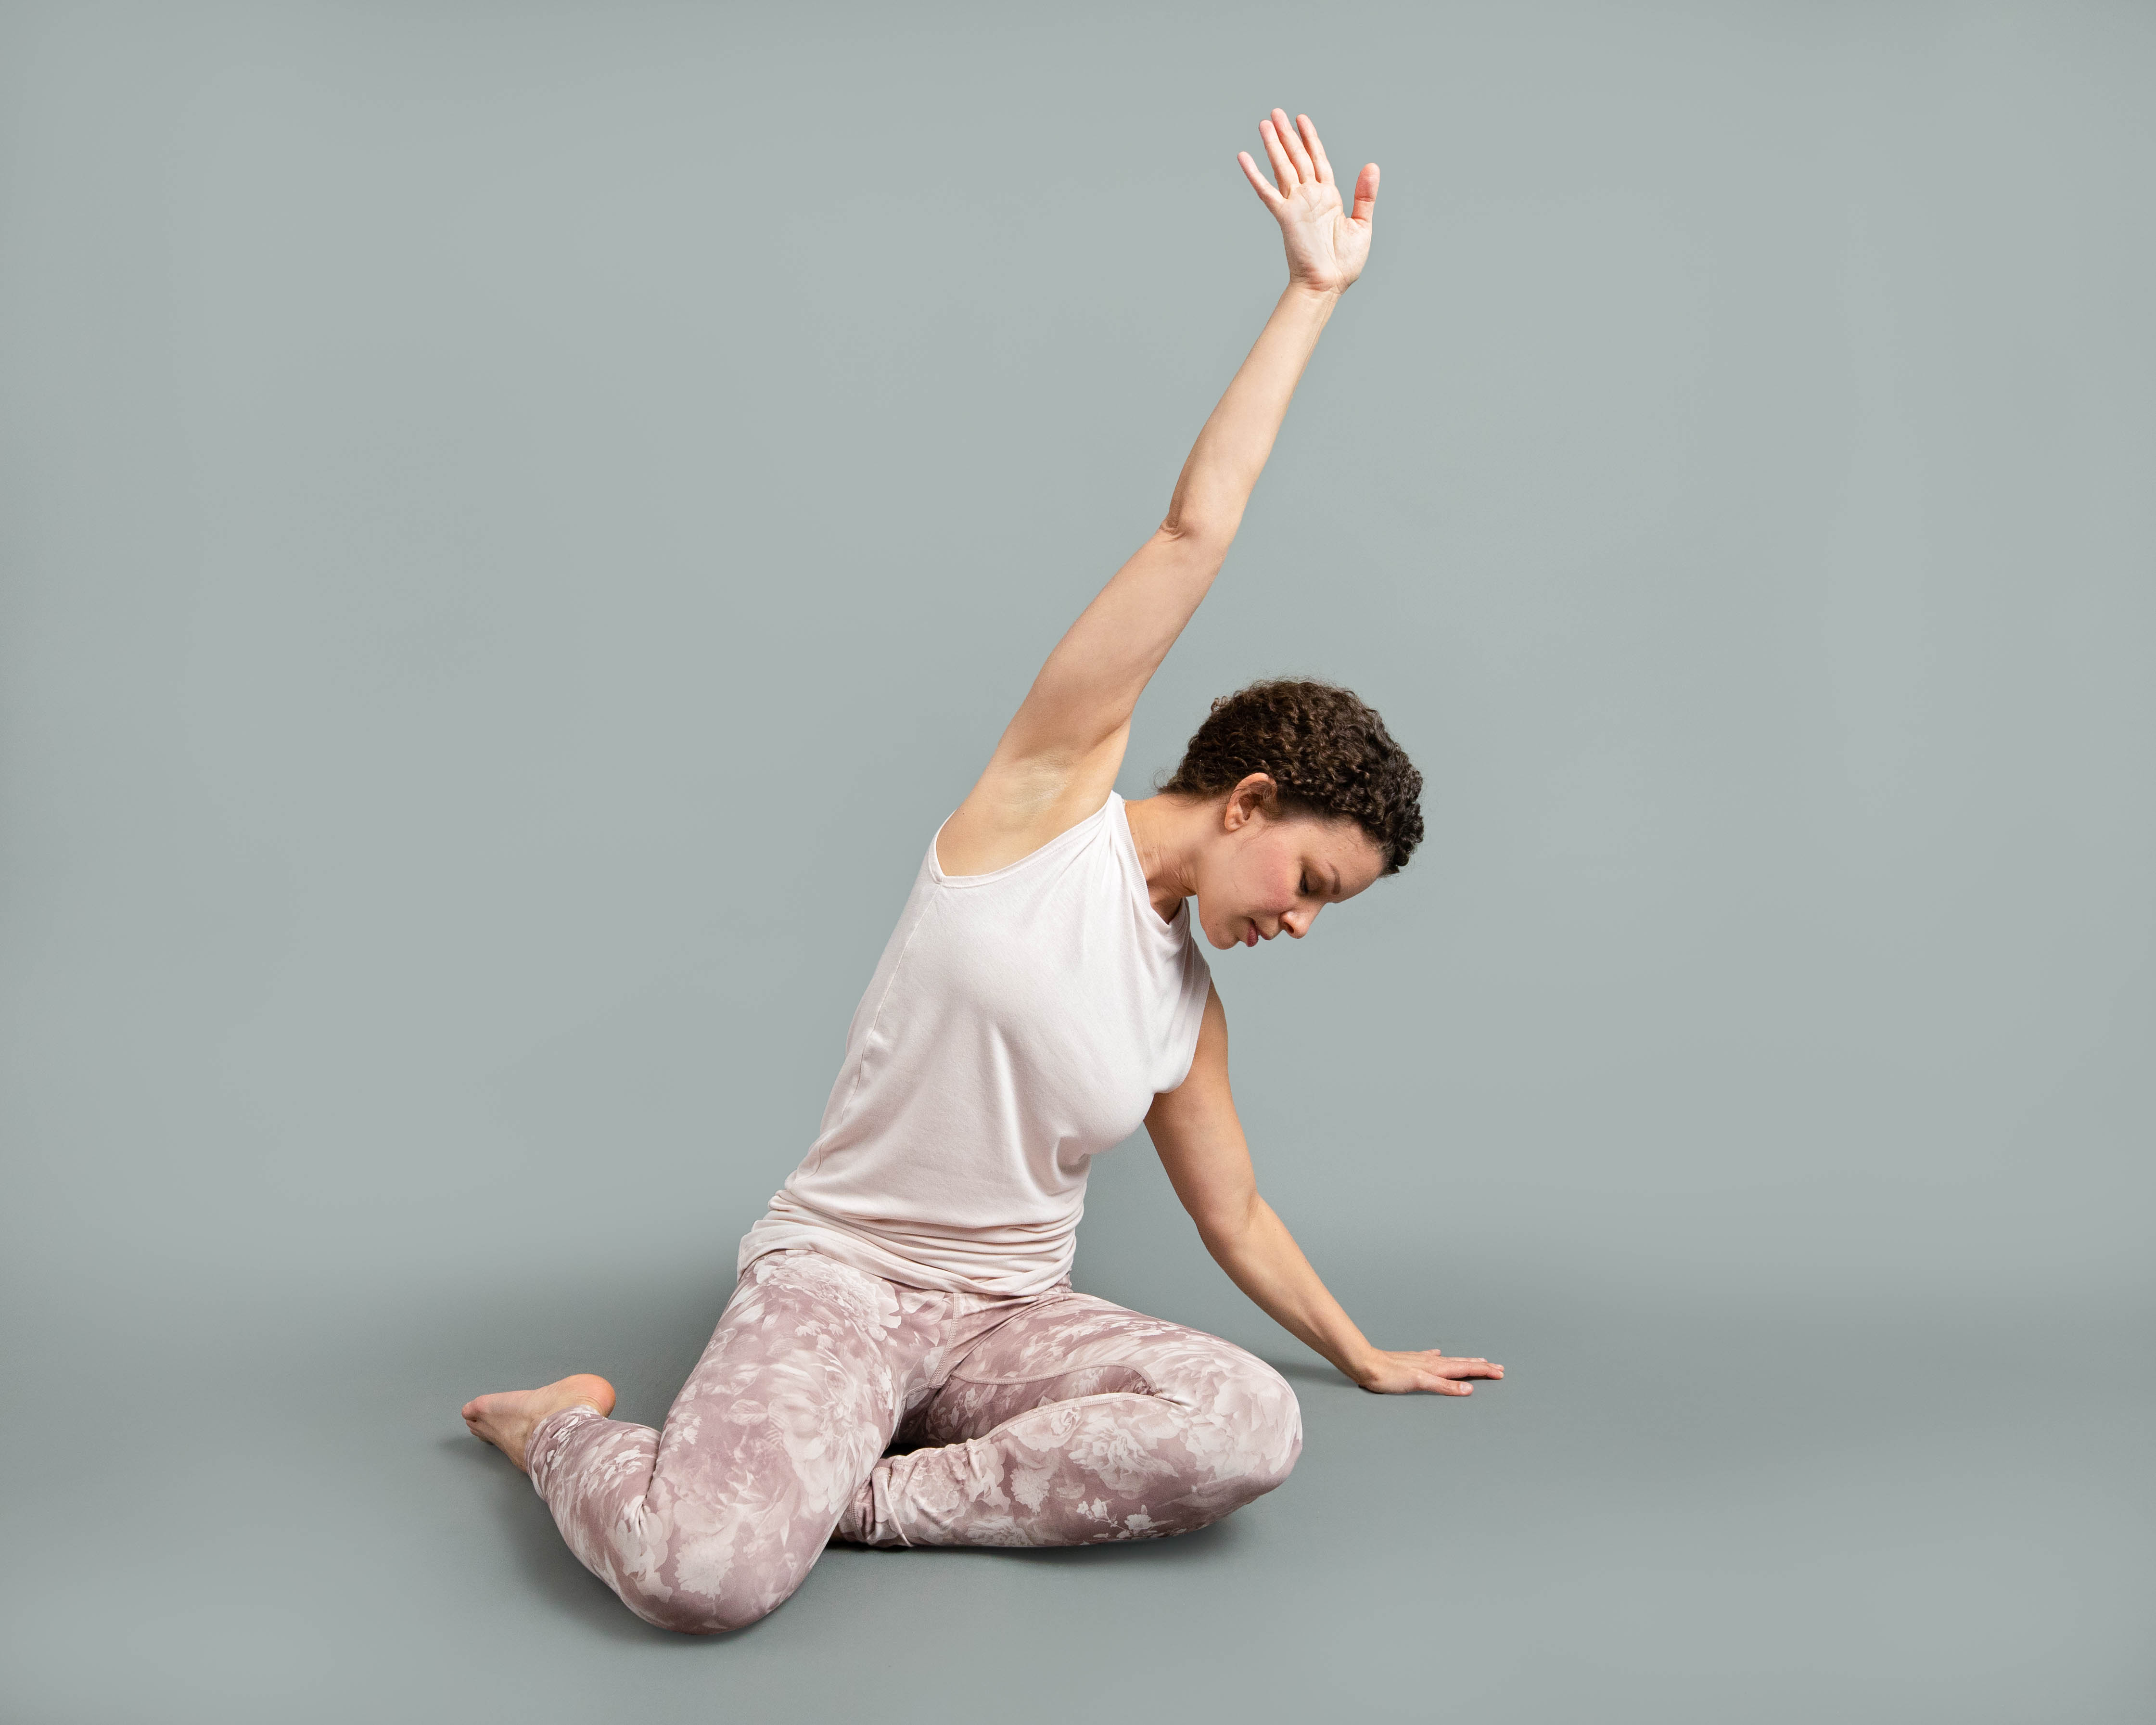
[(1292, 142), (1317, 150), (1366, 192), (1447, 1365), (1276, 153), (1264, 187)]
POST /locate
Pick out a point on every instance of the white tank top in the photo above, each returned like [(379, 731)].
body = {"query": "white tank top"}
[(1020, 1023)]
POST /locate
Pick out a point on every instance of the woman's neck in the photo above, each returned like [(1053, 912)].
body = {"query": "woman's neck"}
[(1166, 830)]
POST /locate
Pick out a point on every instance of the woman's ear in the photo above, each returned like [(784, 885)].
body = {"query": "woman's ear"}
[(1254, 796)]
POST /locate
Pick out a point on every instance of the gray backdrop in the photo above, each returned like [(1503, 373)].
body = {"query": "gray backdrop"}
[(518, 522)]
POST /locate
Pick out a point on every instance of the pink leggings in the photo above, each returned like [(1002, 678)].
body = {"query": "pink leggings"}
[(1055, 1419)]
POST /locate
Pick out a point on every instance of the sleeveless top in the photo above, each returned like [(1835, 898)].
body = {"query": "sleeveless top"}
[(1020, 1023)]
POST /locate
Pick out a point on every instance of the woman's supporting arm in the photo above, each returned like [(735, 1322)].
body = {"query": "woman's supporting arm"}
[(1201, 1141), (1058, 756)]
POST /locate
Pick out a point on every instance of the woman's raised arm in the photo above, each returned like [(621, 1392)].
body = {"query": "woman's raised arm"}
[(1058, 756)]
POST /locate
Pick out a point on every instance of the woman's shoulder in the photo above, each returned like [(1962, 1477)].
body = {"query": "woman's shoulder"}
[(974, 845), (1022, 803)]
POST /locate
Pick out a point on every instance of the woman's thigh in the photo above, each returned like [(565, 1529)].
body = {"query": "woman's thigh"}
[(1078, 1420)]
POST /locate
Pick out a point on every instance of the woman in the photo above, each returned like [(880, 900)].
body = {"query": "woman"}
[(904, 1361)]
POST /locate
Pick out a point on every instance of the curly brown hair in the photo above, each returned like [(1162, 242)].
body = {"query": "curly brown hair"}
[(1327, 751)]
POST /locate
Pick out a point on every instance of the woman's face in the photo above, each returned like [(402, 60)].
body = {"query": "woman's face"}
[(1261, 874)]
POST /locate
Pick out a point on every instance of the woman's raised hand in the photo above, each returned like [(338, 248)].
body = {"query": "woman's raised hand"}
[(1430, 1370), (1326, 245)]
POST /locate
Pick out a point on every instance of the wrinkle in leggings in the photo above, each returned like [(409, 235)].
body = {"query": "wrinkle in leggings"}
[(1053, 1420)]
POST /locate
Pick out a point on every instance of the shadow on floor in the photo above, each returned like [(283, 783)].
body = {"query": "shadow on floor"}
[(546, 1566), (556, 1580), (1296, 1371)]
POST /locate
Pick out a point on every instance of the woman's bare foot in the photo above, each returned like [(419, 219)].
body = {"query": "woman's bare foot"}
[(506, 1418)]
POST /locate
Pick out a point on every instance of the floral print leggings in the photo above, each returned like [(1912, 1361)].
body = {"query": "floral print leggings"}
[(1051, 1420)]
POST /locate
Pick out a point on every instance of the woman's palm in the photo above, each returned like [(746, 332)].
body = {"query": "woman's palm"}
[(1326, 243)]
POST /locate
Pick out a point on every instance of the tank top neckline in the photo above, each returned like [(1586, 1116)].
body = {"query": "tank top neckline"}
[(1173, 929)]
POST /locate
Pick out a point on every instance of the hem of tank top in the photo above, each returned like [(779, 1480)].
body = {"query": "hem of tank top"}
[(818, 1217), (844, 1236), (935, 867)]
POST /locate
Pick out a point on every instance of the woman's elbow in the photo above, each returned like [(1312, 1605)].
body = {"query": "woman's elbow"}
[(1228, 1229), (1200, 539)]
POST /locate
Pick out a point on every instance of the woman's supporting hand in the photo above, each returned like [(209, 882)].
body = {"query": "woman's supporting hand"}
[(1326, 245), (1398, 1373)]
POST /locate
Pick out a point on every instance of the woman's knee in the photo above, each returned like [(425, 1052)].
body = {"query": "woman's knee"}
[(746, 1594), (705, 1617), (1269, 1421), (1245, 1429)]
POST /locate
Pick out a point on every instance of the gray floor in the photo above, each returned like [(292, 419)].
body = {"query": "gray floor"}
[(1675, 1507)]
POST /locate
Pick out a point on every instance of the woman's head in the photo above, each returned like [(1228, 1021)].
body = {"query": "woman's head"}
[(1310, 801)]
